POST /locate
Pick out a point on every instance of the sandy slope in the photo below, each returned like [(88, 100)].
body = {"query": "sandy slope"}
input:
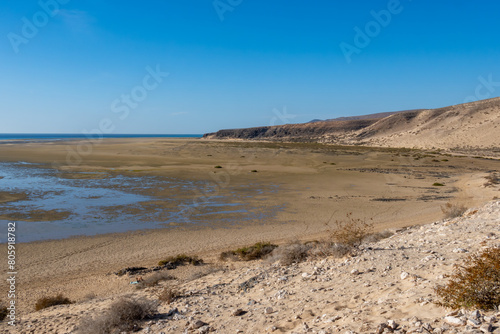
[(471, 125), (384, 282)]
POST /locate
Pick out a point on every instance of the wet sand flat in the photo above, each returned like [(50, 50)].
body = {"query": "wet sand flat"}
[(315, 185)]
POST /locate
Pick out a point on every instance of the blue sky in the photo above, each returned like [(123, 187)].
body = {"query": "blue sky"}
[(68, 66)]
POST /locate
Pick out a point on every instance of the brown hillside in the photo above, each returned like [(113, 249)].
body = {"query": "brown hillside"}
[(472, 126)]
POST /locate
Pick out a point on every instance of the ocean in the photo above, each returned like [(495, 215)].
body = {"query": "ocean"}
[(70, 136)]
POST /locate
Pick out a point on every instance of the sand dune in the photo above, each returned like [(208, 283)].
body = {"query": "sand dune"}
[(473, 125)]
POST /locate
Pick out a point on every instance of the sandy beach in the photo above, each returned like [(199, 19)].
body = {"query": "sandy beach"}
[(315, 185)]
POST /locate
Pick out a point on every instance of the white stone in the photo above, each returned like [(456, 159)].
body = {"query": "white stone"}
[(454, 321), (392, 324), (355, 272)]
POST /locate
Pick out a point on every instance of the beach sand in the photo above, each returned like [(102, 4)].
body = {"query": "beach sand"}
[(316, 185)]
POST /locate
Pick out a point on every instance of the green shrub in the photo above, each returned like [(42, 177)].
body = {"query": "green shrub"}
[(475, 284), (45, 302), (437, 184), (218, 166), (154, 279), (257, 251), (180, 260)]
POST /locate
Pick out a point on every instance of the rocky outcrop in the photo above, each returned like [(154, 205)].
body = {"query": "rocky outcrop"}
[(294, 132)]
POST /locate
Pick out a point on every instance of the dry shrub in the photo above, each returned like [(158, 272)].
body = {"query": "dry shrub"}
[(291, 253), (181, 259), (45, 302), (453, 210), (375, 237), (4, 312), (154, 279), (475, 284), (351, 231), (492, 180), (328, 248), (255, 252), (124, 315), (168, 295)]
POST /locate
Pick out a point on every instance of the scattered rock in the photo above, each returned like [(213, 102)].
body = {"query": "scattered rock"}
[(454, 321), (198, 324), (268, 310), (488, 328), (238, 312), (392, 324)]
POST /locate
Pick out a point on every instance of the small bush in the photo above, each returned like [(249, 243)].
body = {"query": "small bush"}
[(328, 248), (351, 231), (492, 180), (180, 260), (168, 295), (257, 251), (124, 315), (218, 166), (4, 312), (254, 171), (437, 184), (453, 210), (475, 284), (292, 253), (154, 279), (45, 302), (375, 237)]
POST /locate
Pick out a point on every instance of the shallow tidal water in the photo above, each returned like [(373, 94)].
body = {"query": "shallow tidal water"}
[(60, 205)]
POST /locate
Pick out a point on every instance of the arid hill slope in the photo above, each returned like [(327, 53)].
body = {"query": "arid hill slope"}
[(474, 125), (293, 132), (471, 125)]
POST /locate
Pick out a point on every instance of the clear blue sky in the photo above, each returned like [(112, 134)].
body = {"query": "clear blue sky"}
[(231, 66)]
